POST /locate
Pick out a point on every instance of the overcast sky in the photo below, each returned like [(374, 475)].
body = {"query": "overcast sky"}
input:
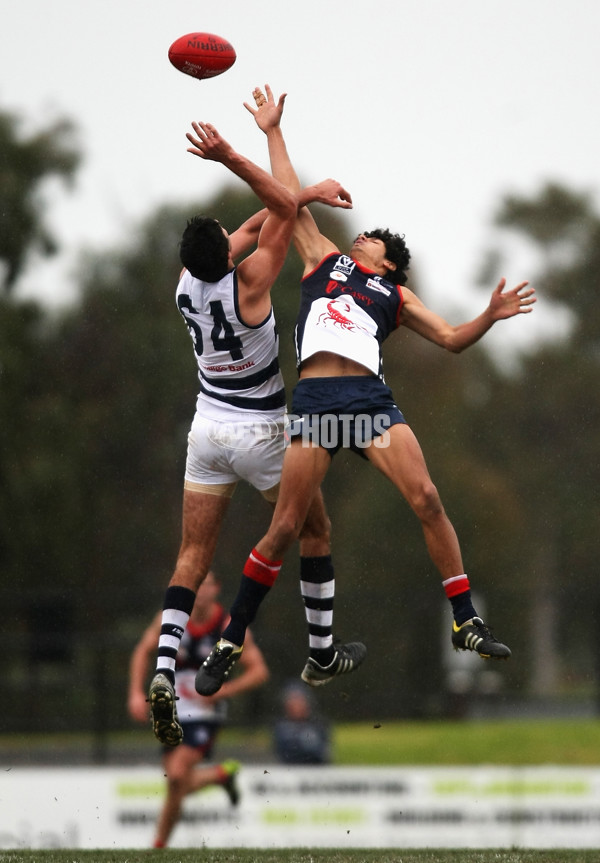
[(427, 111)]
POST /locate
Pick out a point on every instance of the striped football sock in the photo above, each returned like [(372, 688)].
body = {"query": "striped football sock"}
[(177, 608), (317, 585)]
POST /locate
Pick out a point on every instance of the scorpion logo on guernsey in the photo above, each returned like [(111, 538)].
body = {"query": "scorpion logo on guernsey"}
[(334, 313)]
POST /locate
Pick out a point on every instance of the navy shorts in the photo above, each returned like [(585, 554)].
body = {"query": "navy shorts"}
[(342, 412), (199, 735)]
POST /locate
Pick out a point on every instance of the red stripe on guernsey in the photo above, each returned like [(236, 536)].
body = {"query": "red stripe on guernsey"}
[(401, 295), (456, 585), (200, 628), (258, 568), (330, 255)]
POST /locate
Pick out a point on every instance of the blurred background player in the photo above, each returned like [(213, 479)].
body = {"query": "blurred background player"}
[(201, 718), (300, 735)]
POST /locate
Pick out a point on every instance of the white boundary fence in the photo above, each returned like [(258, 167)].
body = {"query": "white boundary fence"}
[(329, 807)]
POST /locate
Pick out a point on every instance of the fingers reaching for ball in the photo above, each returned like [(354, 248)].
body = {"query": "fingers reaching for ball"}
[(207, 142), (267, 112)]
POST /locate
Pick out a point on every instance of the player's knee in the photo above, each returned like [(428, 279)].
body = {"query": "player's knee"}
[(177, 781), (427, 503), (193, 561), (316, 528), (285, 529)]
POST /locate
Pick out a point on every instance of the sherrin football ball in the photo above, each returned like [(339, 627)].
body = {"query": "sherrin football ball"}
[(202, 55)]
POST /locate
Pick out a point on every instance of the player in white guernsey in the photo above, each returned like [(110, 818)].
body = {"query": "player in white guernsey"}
[(349, 305), (238, 429)]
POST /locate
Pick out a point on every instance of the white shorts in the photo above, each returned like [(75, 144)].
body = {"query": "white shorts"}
[(221, 453)]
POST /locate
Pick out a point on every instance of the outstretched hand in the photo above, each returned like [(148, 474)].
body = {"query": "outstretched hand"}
[(208, 143), (506, 304), (267, 112), (332, 193)]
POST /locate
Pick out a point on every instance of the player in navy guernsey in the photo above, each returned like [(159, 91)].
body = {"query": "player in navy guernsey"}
[(350, 304), (201, 718), (238, 429)]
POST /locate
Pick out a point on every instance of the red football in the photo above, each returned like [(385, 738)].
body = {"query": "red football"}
[(202, 55)]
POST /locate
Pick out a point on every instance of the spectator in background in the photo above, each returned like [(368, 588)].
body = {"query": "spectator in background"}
[(300, 735)]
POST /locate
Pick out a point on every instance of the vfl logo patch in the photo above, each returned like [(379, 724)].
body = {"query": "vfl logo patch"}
[(344, 265)]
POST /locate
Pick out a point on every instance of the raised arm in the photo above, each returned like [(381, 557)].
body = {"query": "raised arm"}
[(209, 144), (503, 304), (247, 234), (310, 243), (257, 273), (328, 192), (267, 115)]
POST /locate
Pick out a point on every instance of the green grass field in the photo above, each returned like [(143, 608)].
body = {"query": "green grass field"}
[(515, 742), (381, 855)]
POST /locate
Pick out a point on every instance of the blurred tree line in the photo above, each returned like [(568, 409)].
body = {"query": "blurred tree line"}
[(95, 405)]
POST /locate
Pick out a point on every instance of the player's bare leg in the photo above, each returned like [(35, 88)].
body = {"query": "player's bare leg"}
[(185, 775), (178, 764), (303, 470), (305, 467), (202, 518), (315, 536), (402, 461)]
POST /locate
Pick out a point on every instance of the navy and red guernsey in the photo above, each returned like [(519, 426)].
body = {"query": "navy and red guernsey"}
[(346, 310), (197, 642), (199, 639)]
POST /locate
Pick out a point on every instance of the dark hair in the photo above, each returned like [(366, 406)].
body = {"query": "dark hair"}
[(204, 249), (395, 251)]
